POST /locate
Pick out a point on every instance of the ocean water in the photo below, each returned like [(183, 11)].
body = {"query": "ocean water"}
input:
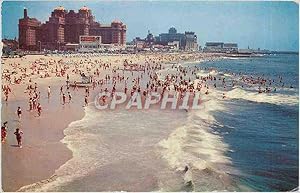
[(262, 129), (246, 142)]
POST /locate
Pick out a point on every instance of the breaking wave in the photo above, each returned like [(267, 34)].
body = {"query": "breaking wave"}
[(272, 98)]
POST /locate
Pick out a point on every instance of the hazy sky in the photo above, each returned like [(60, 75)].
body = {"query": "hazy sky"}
[(269, 25)]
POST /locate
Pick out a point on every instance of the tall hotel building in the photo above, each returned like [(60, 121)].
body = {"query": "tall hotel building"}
[(66, 27)]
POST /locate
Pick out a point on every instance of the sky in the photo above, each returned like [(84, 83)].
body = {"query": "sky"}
[(257, 24)]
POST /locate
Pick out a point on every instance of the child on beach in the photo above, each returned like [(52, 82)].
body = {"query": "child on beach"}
[(19, 112), (18, 134)]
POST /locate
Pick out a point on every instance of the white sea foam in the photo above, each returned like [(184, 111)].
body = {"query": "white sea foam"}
[(228, 75), (81, 163), (213, 72), (101, 139), (272, 98), (205, 73), (197, 146)]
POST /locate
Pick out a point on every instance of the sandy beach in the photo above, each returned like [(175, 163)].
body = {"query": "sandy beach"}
[(73, 146), (149, 96), (42, 151)]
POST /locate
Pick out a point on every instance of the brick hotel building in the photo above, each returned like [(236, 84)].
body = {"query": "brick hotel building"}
[(66, 27)]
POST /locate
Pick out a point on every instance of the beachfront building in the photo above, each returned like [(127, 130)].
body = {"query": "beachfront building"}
[(230, 47), (191, 41), (171, 41), (150, 40), (89, 43), (95, 44), (28, 32), (221, 47), (213, 47), (11, 43), (114, 33), (65, 27), (171, 36)]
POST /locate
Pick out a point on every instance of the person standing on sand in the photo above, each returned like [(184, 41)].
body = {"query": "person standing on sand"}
[(39, 109), (86, 101), (33, 103), (19, 112), (68, 80), (61, 89), (87, 90), (6, 95), (30, 104), (70, 97), (75, 85), (64, 99), (18, 134), (4, 132), (49, 91)]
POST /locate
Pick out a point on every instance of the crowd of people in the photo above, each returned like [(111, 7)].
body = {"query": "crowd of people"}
[(129, 74)]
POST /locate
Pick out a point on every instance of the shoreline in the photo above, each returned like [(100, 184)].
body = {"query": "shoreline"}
[(47, 160), (39, 173)]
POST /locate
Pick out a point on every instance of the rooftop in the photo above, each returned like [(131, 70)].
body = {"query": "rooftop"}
[(84, 8), (116, 21), (60, 8)]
